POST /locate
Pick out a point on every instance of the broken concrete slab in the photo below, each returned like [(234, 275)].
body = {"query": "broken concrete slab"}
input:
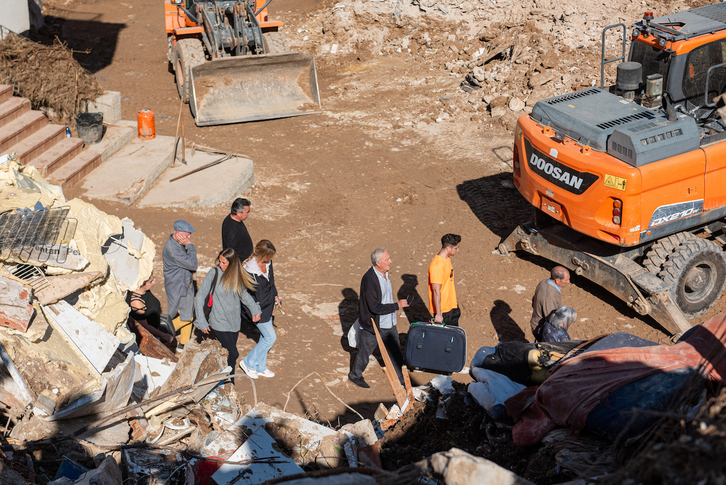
[(64, 285), (129, 173), (215, 186), (460, 468), (264, 462), (115, 137), (109, 103), (299, 435), (16, 309), (89, 339)]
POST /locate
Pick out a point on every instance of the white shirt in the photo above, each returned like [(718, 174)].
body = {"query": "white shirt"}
[(389, 319)]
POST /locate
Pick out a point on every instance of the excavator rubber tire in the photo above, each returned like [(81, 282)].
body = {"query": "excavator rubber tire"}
[(275, 43), (696, 273), (188, 53), (658, 254)]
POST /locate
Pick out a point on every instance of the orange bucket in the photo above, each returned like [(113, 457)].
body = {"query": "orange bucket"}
[(147, 127)]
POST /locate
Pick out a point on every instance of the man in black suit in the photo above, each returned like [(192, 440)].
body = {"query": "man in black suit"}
[(376, 302)]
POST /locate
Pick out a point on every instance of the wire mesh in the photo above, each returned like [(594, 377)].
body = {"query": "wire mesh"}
[(37, 235)]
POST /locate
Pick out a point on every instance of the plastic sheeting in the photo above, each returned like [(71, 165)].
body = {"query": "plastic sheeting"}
[(578, 385), (491, 390), (23, 186)]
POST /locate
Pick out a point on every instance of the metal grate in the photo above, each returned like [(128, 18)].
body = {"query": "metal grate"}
[(575, 95), (31, 275), (44, 232), (626, 119)]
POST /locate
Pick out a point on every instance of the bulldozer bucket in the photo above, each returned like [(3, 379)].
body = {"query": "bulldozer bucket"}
[(254, 88)]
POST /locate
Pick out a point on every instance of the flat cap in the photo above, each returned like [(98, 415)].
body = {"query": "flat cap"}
[(183, 226)]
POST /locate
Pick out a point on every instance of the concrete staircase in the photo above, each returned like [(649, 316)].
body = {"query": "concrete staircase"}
[(29, 134), (121, 167)]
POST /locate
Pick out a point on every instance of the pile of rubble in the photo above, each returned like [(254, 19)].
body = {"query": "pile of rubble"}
[(496, 58)]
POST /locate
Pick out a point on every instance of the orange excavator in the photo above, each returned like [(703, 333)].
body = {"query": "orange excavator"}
[(629, 181), (232, 64)]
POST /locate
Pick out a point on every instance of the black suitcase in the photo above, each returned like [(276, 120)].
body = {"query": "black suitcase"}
[(436, 348)]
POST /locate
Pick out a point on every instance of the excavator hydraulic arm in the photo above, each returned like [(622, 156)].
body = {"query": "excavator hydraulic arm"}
[(615, 272)]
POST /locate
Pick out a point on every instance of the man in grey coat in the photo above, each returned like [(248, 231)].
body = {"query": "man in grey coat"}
[(180, 262)]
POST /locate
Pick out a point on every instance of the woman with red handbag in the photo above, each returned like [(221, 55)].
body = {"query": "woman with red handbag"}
[(227, 286)]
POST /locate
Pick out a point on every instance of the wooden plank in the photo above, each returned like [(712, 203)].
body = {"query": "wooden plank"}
[(91, 340), (398, 389)]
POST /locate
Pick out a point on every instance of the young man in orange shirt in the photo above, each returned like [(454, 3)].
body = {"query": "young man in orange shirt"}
[(442, 294)]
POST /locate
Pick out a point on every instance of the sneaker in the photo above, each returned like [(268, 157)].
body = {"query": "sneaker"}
[(249, 372), (359, 381), (266, 373)]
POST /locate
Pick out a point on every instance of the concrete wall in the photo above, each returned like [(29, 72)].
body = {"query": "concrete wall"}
[(14, 15)]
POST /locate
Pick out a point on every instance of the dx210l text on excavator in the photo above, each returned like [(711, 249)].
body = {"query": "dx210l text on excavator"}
[(629, 182), (232, 64)]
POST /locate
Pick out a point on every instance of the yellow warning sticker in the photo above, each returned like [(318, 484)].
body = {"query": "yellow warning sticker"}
[(615, 182)]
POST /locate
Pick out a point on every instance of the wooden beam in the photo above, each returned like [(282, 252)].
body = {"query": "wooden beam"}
[(398, 389)]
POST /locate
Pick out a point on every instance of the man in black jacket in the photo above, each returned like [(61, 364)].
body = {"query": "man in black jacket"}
[(376, 303), (234, 231)]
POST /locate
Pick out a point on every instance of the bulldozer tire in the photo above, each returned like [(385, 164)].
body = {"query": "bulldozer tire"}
[(658, 254), (188, 53), (695, 272), (275, 43)]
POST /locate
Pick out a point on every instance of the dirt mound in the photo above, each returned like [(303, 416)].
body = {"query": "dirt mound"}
[(47, 75)]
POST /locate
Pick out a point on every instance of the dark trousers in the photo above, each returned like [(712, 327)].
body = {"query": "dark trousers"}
[(367, 344), (229, 342), (452, 317)]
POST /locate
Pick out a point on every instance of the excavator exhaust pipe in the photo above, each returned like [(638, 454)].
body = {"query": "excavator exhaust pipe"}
[(254, 88)]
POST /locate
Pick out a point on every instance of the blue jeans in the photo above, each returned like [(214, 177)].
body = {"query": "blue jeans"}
[(256, 360)]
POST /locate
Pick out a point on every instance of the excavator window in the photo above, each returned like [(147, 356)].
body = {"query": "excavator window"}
[(654, 61), (694, 77)]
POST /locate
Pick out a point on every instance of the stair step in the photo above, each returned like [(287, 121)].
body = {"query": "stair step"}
[(58, 155), (31, 147), (6, 92), (12, 109), (21, 128), (72, 172)]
